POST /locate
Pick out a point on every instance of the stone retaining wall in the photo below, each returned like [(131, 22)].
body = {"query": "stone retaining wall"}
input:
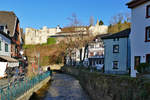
[(28, 94), (111, 87)]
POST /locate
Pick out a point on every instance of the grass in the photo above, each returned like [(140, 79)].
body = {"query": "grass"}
[(28, 46), (45, 61), (51, 41)]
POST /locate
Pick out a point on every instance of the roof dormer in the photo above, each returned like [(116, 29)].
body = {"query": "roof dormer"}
[(3, 28)]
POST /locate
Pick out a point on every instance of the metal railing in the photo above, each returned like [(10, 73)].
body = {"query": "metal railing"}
[(13, 91)]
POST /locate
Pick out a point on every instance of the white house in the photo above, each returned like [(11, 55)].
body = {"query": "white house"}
[(96, 52), (140, 33), (5, 51), (117, 52), (75, 57)]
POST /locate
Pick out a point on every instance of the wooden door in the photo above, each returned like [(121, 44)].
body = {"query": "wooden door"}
[(148, 58)]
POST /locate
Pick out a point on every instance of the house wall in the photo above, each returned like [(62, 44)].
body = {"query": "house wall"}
[(16, 43), (4, 40), (96, 53), (96, 49), (138, 45), (121, 57)]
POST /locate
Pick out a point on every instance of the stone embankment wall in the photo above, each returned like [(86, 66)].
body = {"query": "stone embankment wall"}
[(28, 94), (111, 87)]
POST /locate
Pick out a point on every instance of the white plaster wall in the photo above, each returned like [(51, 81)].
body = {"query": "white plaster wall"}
[(97, 48), (138, 45), (4, 40)]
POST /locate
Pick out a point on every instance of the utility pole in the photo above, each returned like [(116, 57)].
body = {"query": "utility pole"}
[(38, 62)]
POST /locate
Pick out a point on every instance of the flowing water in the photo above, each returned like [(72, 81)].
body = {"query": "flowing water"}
[(62, 87)]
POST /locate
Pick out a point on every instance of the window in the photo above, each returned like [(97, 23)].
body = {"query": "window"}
[(115, 39), (1, 28), (0, 45), (115, 48), (115, 64), (148, 11), (6, 47), (136, 61), (147, 34)]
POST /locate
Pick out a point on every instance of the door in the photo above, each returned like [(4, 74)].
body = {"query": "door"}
[(148, 58), (136, 61)]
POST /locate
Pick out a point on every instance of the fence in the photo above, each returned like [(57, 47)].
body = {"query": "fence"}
[(11, 92)]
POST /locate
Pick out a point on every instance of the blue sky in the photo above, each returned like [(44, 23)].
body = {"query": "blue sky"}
[(38, 13)]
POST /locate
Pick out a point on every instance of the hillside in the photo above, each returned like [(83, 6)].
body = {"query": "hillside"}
[(118, 27), (49, 54)]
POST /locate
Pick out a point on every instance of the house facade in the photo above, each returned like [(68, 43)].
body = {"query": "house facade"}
[(13, 25), (96, 52), (140, 33), (5, 51), (5, 42), (76, 56), (117, 53)]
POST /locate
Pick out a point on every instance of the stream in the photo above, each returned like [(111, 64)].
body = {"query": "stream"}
[(62, 87)]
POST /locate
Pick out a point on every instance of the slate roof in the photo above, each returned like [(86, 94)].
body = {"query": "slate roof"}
[(8, 18), (135, 3), (122, 34), (103, 35)]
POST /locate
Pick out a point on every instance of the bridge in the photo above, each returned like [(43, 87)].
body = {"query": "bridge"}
[(22, 90)]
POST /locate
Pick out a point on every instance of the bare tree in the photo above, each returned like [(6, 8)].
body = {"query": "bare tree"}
[(128, 16), (120, 17), (119, 22), (78, 39), (74, 20)]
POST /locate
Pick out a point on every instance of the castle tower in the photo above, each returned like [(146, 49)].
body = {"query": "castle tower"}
[(97, 23)]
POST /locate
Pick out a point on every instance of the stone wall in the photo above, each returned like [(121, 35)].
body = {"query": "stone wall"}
[(39, 36), (111, 87)]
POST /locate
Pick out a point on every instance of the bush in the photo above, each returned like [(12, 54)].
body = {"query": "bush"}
[(143, 67)]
